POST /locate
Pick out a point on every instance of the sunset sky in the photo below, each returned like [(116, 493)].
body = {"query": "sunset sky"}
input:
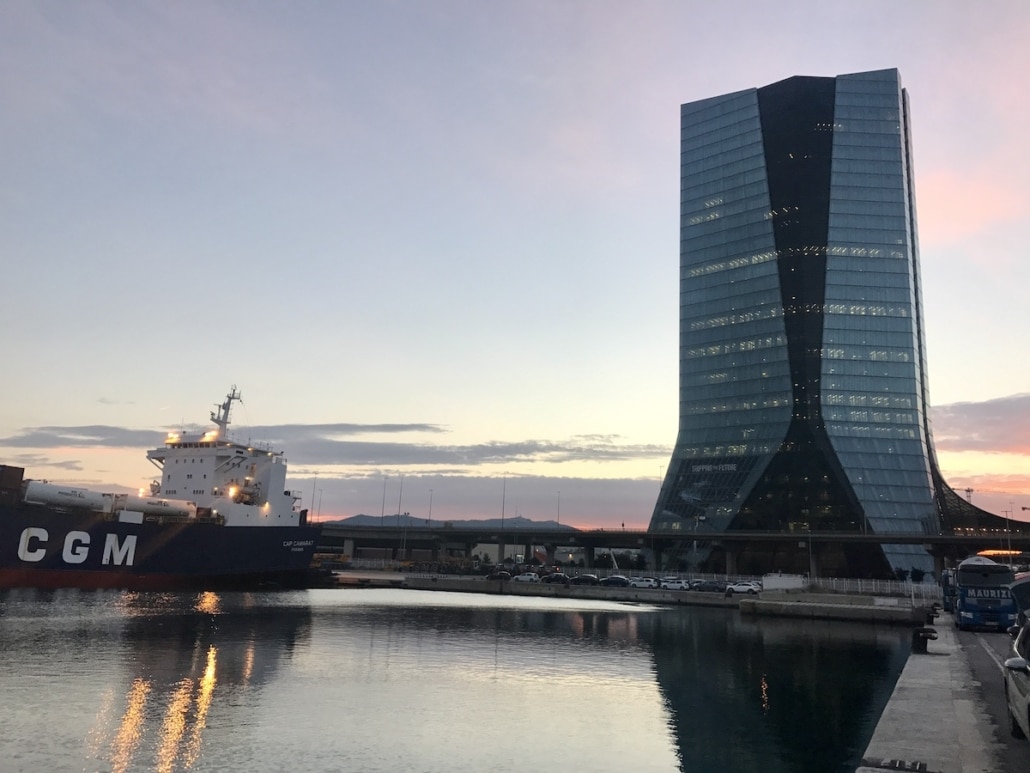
[(435, 244)]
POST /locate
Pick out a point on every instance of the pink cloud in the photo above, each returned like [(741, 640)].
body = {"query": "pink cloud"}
[(956, 205)]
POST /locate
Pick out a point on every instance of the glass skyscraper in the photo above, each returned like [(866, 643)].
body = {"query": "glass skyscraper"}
[(803, 389)]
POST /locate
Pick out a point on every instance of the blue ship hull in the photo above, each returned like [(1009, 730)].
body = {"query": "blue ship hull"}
[(41, 547)]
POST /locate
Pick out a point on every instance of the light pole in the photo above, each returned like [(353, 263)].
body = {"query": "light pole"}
[(811, 565), (400, 492), (430, 522), (558, 509), (694, 560), (1008, 531), (314, 483), (382, 515)]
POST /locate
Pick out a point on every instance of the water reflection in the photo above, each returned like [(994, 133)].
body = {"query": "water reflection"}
[(805, 695), (396, 680), (161, 658)]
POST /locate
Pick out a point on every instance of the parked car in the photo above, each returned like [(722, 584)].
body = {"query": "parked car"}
[(584, 579), (615, 581), (1017, 683), (674, 583), (526, 577), (556, 577), (710, 586), (742, 587), (501, 575), (643, 582)]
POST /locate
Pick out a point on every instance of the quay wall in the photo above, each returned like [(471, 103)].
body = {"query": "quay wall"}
[(890, 610), (871, 609)]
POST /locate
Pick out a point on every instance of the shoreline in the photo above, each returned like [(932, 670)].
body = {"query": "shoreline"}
[(890, 610)]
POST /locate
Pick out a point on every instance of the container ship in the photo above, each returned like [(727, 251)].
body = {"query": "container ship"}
[(220, 517)]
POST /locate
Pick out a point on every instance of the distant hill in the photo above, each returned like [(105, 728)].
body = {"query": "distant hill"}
[(421, 523)]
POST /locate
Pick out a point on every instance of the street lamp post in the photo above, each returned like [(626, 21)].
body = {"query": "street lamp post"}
[(400, 493), (812, 572), (1008, 530), (430, 520), (693, 550), (811, 562), (382, 515), (558, 509), (693, 556)]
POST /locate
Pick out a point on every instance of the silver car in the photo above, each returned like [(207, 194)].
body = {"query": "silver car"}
[(1017, 684), (643, 582), (743, 587)]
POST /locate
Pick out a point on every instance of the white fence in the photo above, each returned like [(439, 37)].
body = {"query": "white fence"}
[(918, 591)]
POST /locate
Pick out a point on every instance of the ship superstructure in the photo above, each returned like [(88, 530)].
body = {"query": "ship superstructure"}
[(237, 484)]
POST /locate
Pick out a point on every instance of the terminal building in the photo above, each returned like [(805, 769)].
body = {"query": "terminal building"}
[(803, 397)]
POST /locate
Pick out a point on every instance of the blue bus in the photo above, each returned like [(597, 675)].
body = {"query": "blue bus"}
[(983, 598)]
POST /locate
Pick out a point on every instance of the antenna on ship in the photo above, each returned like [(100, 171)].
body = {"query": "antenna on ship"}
[(221, 419)]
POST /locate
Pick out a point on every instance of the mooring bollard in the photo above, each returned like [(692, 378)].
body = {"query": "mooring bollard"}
[(920, 636)]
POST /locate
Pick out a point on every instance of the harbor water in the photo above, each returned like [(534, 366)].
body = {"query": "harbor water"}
[(400, 680)]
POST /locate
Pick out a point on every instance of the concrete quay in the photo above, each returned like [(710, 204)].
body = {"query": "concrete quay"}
[(837, 606), (823, 606), (934, 721)]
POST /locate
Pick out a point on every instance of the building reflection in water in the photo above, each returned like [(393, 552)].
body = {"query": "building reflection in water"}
[(805, 694), (174, 682)]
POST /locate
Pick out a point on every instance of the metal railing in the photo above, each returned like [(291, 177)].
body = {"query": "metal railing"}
[(927, 592)]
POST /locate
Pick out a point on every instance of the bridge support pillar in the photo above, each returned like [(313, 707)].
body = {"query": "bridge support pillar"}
[(527, 553), (731, 559), (550, 551), (938, 566)]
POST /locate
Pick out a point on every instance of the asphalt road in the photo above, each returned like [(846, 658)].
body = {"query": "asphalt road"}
[(986, 652)]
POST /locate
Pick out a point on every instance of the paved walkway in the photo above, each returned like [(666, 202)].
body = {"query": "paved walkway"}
[(934, 721)]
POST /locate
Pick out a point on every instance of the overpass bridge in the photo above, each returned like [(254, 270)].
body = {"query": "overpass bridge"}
[(665, 550)]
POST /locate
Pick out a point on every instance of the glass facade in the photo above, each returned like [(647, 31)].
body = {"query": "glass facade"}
[(802, 368)]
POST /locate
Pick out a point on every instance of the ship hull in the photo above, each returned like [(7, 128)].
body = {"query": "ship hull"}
[(43, 547)]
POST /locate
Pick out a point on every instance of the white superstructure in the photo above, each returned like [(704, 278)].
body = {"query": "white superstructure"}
[(243, 485)]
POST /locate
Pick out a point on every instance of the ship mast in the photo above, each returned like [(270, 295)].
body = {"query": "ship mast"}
[(221, 419)]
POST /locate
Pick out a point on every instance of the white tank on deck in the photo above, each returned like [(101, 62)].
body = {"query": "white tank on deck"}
[(155, 506), (40, 493)]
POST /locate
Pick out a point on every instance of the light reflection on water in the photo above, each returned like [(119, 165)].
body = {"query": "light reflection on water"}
[(398, 680)]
